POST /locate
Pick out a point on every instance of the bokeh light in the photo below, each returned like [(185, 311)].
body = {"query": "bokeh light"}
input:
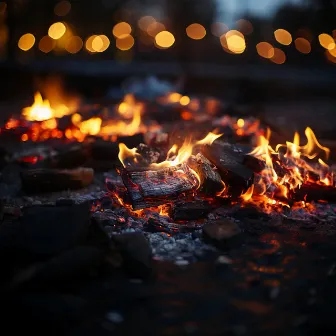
[(330, 57), (244, 26), (185, 100), (219, 28), (145, 21), (302, 45), (88, 43), (332, 52), (26, 42), (100, 43), (57, 30), (283, 36), (233, 41), (265, 50), (164, 39), (125, 43), (279, 56), (326, 41), (74, 45), (62, 8), (196, 31), (155, 28), (121, 28), (46, 44)]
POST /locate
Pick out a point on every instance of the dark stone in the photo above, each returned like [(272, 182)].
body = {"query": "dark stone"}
[(220, 231), (97, 235), (69, 266), (136, 253), (47, 230)]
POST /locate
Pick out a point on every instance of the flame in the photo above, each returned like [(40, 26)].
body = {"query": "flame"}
[(122, 127), (222, 193), (248, 194), (39, 111), (90, 126), (272, 188), (129, 107), (209, 139), (126, 153)]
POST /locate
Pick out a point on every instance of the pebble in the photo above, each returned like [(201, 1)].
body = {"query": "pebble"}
[(224, 260), (181, 262), (115, 317)]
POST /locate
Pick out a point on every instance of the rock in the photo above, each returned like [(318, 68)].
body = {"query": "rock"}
[(70, 265), (136, 253), (47, 230), (220, 231), (97, 235)]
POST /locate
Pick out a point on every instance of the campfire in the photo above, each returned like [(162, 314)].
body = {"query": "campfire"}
[(181, 175)]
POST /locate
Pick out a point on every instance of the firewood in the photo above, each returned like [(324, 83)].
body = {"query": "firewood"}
[(314, 192), (103, 150), (191, 210), (211, 182), (68, 156), (48, 180), (234, 174), (155, 187)]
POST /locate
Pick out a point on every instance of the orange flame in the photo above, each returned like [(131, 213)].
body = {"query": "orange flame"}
[(248, 194), (41, 110)]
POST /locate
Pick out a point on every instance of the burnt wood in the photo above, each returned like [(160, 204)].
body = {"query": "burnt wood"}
[(191, 210), (315, 192), (48, 180), (211, 182), (152, 188), (237, 177)]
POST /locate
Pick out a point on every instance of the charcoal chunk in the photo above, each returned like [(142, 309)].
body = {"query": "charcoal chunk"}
[(136, 253), (220, 231), (191, 210)]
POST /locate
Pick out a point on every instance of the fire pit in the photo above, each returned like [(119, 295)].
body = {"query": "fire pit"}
[(152, 188)]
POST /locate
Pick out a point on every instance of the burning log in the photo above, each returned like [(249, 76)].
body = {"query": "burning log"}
[(155, 187), (235, 175), (191, 210), (48, 180), (211, 182), (68, 156), (315, 192)]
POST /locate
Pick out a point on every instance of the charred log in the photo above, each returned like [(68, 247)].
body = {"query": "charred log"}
[(211, 182), (235, 175), (191, 210), (315, 192), (48, 180), (68, 156), (152, 188)]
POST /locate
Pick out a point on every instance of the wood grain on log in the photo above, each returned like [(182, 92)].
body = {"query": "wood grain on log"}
[(152, 188)]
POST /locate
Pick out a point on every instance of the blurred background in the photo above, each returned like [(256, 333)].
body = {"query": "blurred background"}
[(277, 56)]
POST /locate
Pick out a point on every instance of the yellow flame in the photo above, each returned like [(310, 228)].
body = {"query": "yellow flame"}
[(310, 149), (209, 139), (248, 194), (39, 111), (90, 126), (125, 153)]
